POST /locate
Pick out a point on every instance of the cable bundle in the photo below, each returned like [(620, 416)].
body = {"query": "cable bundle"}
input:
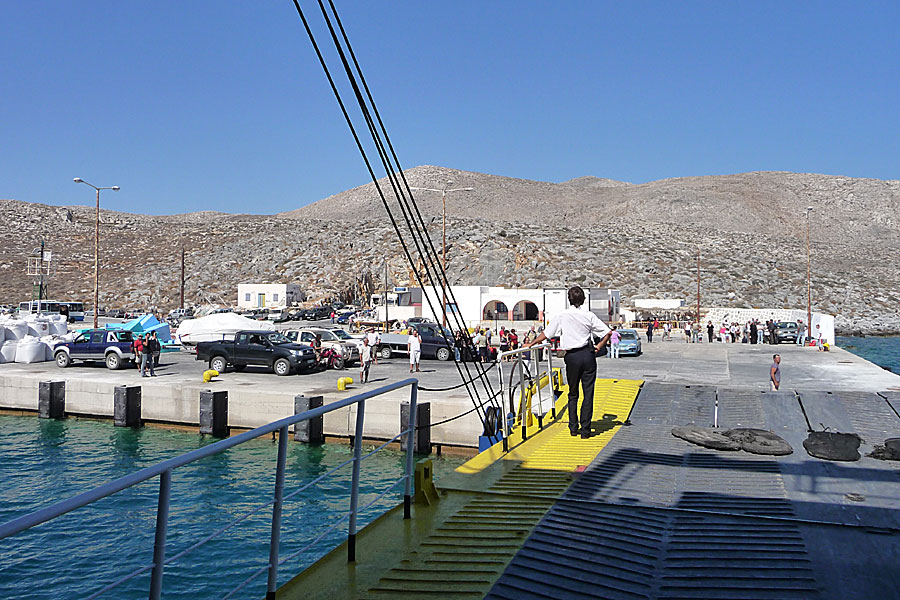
[(434, 275)]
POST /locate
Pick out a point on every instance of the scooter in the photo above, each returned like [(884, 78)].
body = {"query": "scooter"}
[(329, 358)]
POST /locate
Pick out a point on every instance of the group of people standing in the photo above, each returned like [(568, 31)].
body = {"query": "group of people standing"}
[(145, 349)]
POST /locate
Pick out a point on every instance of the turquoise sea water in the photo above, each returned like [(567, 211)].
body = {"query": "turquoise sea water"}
[(883, 351), (42, 462)]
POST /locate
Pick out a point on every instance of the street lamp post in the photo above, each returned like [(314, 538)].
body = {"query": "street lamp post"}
[(444, 191), (809, 209), (114, 188)]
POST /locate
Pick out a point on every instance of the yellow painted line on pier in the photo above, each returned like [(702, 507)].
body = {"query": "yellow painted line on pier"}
[(459, 546)]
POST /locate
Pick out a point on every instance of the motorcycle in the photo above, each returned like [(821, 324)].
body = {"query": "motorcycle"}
[(329, 358)]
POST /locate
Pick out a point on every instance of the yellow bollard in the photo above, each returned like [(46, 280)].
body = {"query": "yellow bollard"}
[(343, 382), (208, 375)]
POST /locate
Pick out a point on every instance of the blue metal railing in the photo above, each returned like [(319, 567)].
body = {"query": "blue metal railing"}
[(164, 471)]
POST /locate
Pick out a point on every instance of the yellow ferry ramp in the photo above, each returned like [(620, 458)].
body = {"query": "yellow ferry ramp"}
[(459, 546)]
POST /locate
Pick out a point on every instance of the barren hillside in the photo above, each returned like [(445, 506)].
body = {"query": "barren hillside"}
[(641, 239)]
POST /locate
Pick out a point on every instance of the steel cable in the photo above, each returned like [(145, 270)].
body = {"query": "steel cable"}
[(385, 161)]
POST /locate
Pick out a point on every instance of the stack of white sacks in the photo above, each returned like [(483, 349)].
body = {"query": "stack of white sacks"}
[(31, 338)]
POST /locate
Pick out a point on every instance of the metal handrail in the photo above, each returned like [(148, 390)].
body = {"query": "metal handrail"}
[(506, 424), (164, 471)]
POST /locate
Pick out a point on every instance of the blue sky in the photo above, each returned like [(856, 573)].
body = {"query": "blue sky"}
[(222, 106)]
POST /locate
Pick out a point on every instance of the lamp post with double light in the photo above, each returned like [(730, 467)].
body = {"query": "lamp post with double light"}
[(444, 191), (114, 188)]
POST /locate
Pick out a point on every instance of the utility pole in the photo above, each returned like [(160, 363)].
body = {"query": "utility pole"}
[(41, 283), (698, 286), (384, 298), (444, 191), (809, 209), (182, 276)]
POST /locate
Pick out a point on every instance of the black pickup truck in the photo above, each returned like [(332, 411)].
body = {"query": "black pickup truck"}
[(262, 348)]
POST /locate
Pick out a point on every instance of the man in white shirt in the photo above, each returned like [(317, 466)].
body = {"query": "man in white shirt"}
[(414, 345), (373, 339), (577, 329)]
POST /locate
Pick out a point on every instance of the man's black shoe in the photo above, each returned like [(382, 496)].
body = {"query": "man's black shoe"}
[(585, 435), (573, 433)]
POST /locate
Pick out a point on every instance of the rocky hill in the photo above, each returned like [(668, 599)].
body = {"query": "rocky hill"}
[(641, 239)]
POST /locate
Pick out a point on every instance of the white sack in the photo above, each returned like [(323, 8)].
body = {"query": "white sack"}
[(49, 342), (30, 351), (16, 330), (8, 350), (2, 334), (39, 328), (58, 328)]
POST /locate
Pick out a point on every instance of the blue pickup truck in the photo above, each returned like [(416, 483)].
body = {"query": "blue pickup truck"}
[(111, 347)]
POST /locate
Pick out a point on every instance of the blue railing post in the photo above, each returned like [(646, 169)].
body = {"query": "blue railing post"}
[(162, 524), (354, 485), (271, 585), (410, 449)]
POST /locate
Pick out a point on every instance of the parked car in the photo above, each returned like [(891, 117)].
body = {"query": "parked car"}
[(414, 320), (786, 331), (278, 315), (344, 317), (629, 343), (116, 313), (112, 347), (318, 313), (263, 348), (338, 339), (434, 344)]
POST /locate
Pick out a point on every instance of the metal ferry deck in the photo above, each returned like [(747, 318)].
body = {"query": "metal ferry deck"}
[(649, 515)]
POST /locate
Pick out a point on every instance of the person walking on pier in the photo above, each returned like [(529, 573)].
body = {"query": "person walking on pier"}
[(710, 330), (577, 329), (414, 346), (613, 351), (650, 333), (365, 360), (775, 372), (801, 333)]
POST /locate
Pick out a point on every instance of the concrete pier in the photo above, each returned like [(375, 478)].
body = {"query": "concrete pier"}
[(257, 398)]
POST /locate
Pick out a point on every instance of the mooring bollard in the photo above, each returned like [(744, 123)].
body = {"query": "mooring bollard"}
[(127, 406), (422, 438), (214, 413), (52, 400), (311, 431)]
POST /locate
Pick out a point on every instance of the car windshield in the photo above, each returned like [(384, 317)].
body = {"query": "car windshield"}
[(627, 335), (327, 336), (277, 338), (341, 334)]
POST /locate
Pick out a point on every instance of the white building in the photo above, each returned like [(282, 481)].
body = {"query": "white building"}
[(268, 295), (496, 306)]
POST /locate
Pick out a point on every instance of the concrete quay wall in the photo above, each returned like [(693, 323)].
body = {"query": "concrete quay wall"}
[(249, 408)]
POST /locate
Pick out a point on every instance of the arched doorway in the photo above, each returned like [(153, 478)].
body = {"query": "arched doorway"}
[(495, 309), (525, 311)]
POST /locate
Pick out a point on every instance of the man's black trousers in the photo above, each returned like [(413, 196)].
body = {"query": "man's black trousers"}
[(581, 368)]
